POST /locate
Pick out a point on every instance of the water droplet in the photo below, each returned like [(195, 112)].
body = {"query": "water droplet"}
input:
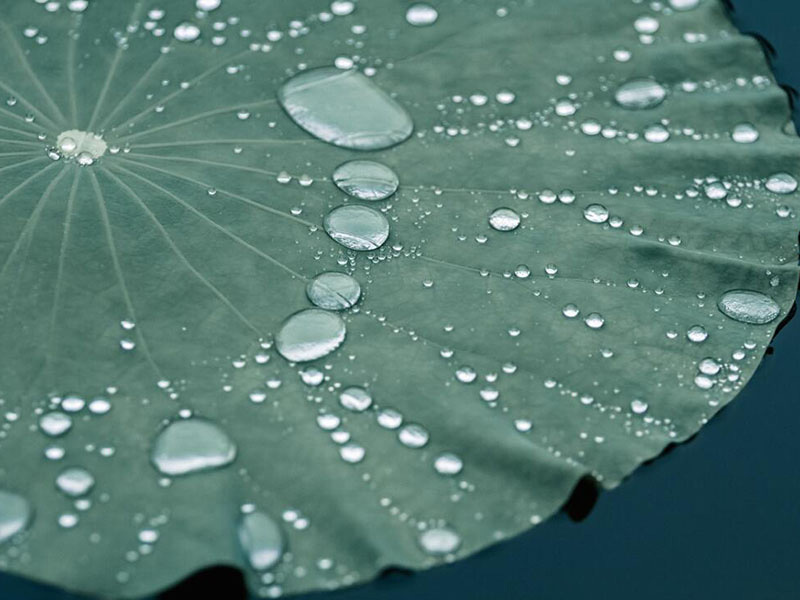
[(639, 407), (716, 190), (466, 374), (594, 320), (357, 227), (504, 219), (366, 180), (421, 14), (697, 334), (356, 399), (749, 307), (684, 4), (345, 108), (333, 291), (570, 311), (439, 541), (596, 213), (656, 134), (389, 418), (55, 423), (207, 5), (342, 8), (745, 133), (310, 334), (352, 453), (413, 436), (639, 94), (15, 514), (261, 539), (83, 146), (186, 32), (75, 482), (709, 366), (781, 183), (190, 446), (448, 464)]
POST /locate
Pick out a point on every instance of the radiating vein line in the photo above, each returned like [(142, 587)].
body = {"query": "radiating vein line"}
[(20, 142), (21, 153), (28, 180), (265, 141), (29, 70), (112, 69), (101, 204), (33, 218), (216, 225), (211, 163), (47, 121), (129, 95), (243, 199), (62, 253), (17, 117), (190, 85), (174, 247), (19, 131), (197, 117), (71, 60)]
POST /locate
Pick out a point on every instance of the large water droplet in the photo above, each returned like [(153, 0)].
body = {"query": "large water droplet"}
[(310, 334), (439, 541), (55, 423), (638, 94), (366, 180), (15, 514), (413, 436), (421, 14), (192, 445), (448, 464), (504, 219), (345, 108), (357, 227), (749, 307), (261, 540), (596, 213), (781, 183), (83, 146), (333, 291)]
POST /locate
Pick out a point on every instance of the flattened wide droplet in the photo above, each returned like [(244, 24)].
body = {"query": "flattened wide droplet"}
[(439, 541), (310, 334), (15, 514), (345, 108), (357, 227), (333, 291), (748, 306), (366, 180), (261, 540), (192, 445), (639, 94)]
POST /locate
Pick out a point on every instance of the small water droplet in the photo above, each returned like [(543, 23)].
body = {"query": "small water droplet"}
[(439, 541), (261, 539), (596, 213), (75, 482), (356, 399), (186, 32), (745, 133), (448, 464), (421, 14), (413, 435), (504, 219), (639, 94), (697, 334), (594, 320)]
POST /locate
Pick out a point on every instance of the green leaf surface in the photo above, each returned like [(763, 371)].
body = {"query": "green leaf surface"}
[(157, 279)]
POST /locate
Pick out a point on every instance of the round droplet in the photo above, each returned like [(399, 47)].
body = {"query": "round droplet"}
[(357, 227), (684, 4), (333, 291), (352, 453), (639, 407), (709, 366), (345, 108), (745, 133), (504, 219), (356, 399), (388, 418), (439, 541), (55, 423), (594, 320), (15, 514), (656, 134), (207, 5), (186, 32), (596, 213), (421, 14), (366, 180), (638, 94), (310, 334), (748, 306), (697, 334), (448, 464), (190, 446), (781, 183), (75, 482), (72, 403), (261, 540), (413, 436)]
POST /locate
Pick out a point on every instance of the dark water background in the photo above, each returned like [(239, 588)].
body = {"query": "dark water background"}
[(718, 517)]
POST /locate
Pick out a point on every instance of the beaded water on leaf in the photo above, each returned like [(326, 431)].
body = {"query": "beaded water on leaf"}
[(190, 446)]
